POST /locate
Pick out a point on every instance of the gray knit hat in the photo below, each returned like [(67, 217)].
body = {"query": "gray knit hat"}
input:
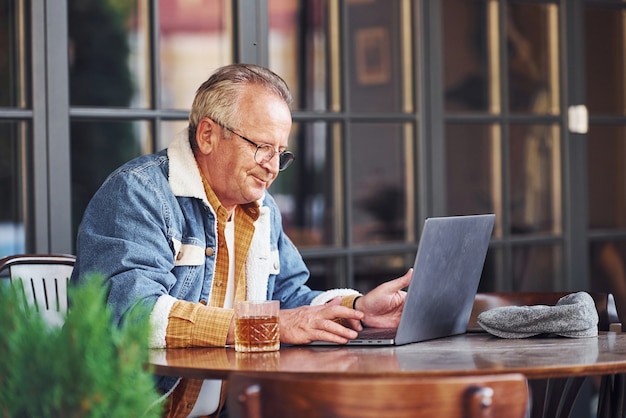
[(574, 315)]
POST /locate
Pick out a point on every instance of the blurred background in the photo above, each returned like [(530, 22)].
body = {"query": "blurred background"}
[(404, 109)]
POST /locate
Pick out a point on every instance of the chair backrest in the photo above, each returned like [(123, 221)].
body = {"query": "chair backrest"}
[(605, 304), (44, 278), (281, 395)]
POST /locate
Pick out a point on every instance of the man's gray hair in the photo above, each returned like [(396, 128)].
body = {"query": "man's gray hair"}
[(218, 97)]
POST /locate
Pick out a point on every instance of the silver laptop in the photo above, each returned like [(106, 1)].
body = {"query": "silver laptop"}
[(446, 273)]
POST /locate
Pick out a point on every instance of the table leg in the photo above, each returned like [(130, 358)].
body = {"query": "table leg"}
[(611, 396)]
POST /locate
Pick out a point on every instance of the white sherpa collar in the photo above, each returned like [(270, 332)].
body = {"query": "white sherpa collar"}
[(329, 295), (184, 176), (259, 261)]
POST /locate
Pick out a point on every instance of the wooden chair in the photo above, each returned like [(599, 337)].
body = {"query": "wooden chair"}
[(283, 395), (556, 397), (44, 278)]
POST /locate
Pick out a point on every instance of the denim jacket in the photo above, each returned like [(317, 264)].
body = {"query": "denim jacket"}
[(151, 232)]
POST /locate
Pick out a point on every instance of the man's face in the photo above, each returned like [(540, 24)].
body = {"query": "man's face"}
[(229, 164)]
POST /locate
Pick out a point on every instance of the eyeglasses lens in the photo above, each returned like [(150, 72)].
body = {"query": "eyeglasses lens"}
[(265, 153), (285, 160)]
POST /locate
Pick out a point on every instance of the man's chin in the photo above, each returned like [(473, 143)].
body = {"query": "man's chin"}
[(255, 195)]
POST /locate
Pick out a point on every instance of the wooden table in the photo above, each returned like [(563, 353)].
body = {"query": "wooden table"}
[(562, 361)]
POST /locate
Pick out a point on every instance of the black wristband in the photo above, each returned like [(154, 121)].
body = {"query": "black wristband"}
[(354, 307)]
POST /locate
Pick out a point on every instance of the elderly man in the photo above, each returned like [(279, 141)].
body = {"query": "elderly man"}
[(192, 229)]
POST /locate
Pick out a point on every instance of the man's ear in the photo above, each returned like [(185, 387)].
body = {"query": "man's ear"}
[(207, 134)]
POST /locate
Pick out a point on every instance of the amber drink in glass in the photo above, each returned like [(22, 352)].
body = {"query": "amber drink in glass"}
[(256, 326)]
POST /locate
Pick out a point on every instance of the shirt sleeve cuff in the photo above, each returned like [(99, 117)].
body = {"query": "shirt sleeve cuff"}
[(329, 295), (349, 300), (196, 325), (212, 326)]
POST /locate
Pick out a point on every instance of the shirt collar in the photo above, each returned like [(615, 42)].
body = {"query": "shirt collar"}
[(250, 209)]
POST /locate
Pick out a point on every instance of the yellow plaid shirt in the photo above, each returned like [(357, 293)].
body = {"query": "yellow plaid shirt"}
[(206, 323)]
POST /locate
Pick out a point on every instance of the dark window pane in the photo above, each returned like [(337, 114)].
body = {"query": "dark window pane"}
[(327, 273), (379, 183), (305, 191), (466, 56), (604, 60), (108, 53), (13, 137), (472, 37), (299, 49), (537, 268), (372, 270), (535, 172), (98, 148), (608, 272), (607, 177), (472, 168), (493, 278), (377, 46), (14, 62), (533, 58), (533, 268)]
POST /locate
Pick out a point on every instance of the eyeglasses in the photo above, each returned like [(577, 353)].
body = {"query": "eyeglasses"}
[(265, 152)]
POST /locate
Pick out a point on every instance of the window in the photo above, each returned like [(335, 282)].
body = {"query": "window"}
[(404, 109), (351, 190)]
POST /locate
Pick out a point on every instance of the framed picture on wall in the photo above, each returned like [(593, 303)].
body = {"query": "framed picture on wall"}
[(372, 56)]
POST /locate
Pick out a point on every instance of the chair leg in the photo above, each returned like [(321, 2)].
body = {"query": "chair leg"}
[(563, 394), (538, 391), (554, 398), (251, 400)]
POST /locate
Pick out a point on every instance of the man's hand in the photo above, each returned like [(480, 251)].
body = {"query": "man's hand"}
[(317, 323), (383, 305)]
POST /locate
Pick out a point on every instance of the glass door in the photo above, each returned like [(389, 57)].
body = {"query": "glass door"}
[(502, 123), (605, 90)]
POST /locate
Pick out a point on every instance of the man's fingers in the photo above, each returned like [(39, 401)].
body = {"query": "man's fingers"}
[(354, 324), (334, 332), (306, 324), (401, 282), (335, 310)]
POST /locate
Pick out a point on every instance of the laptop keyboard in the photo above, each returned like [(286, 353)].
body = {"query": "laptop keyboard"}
[(377, 333)]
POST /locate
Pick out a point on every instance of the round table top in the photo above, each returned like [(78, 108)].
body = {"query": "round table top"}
[(467, 354)]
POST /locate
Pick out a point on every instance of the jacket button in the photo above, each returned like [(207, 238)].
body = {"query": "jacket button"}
[(179, 256), (204, 302), (208, 252)]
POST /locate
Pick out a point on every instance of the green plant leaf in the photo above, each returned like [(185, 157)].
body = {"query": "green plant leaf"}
[(87, 368)]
